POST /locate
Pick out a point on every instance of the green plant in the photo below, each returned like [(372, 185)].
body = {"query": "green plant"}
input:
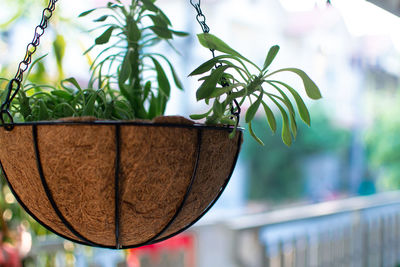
[(231, 80), (128, 80), (136, 28)]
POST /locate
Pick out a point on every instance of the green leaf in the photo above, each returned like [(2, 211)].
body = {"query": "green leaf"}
[(36, 61), (179, 33), (301, 106), (59, 45), (89, 108), (288, 104), (146, 90), (270, 117), (218, 108), (149, 5), (162, 32), (225, 89), (286, 137), (134, 34), (25, 108), (62, 94), (108, 110), (126, 69), (43, 112), (162, 79), (237, 94), (159, 21), (254, 135), (206, 66), (105, 36), (212, 120), (89, 49), (125, 92), (162, 103), (227, 121), (71, 80), (310, 87), (233, 133), (177, 81), (200, 116), (101, 19), (86, 12), (293, 125), (164, 17), (209, 85), (213, 42), (113, 5), (251, 112), (271, 56), (153, 108)]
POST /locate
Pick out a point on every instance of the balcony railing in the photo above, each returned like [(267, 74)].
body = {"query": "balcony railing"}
[(360, 231)]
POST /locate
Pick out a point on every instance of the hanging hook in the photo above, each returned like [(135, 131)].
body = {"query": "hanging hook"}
[(201, 19), (6, 119), (5, 115)]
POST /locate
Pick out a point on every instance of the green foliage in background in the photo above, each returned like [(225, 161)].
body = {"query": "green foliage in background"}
[(276, 173), (383, 140)]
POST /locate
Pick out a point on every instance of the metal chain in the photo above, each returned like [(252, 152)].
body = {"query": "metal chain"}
[(15, 84), (201, 19)]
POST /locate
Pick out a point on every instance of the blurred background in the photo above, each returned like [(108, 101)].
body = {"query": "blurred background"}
[(329, 200)]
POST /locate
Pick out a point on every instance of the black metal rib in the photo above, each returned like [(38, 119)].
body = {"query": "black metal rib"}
[(188, 190), (131, 123), (50, 195), (116, 186), (18, 198), (239, 145), (89, 243)]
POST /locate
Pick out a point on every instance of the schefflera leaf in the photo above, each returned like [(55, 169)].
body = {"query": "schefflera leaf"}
[(105, 36), (209, 85), (273, 51), (213, 42), (301, 106), (251, 112), (309, 85), (244, 85)]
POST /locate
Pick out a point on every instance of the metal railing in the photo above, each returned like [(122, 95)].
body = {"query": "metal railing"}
[(360, 231)]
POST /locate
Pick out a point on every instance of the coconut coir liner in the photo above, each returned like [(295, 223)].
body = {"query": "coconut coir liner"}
[(156, 166)]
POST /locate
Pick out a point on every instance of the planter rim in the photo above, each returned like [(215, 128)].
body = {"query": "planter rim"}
[(130, 123)]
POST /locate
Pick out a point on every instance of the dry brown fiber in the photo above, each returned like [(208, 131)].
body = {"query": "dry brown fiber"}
[(156, 166)]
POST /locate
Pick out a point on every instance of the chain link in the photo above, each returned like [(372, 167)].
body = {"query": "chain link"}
[(201, 19), (15, 84)]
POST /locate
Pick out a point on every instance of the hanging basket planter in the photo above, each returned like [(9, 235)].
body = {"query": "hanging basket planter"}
[(128, 183), (117, 184)]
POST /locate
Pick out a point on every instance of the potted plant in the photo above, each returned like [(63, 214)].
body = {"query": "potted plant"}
[(99, 166)]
